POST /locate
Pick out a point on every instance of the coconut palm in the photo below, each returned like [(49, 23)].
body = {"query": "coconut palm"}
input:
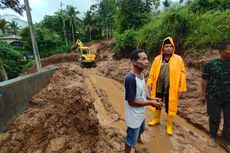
[(72, 13), (13, 27)]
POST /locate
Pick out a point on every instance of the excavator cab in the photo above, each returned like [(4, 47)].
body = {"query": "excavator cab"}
[(85, 56)]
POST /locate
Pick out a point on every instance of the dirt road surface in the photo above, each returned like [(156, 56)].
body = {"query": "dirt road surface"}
[(82, 111)]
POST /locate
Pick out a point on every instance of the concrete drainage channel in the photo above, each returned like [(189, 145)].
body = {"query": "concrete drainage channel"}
[(15, 94)]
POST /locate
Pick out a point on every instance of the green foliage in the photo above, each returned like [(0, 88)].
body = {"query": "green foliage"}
[(12, 4), (92, 25), (174, 22), (27, 65), (133, 14), (125, 43), (192, 32), (53, 23), (208, 30), (207, 5), (106, 11), (149, 37), (12, 60), (48, 42), (166, 3)]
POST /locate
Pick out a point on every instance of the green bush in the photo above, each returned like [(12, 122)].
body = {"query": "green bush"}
[(192, 32), (12, 60), (27, 65), (209, 30), (174, 22), (208, 5), (125, 43)]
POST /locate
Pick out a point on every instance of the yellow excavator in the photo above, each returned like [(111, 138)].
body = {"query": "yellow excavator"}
[(85, 56)]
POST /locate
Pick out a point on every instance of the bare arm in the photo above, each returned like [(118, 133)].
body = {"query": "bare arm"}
[(204, 90), (140, 103)]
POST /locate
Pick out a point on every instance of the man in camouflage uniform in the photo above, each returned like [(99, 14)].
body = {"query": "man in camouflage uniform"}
[(216, 92)]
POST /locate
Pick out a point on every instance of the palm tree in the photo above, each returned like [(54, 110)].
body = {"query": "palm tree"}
[(13, 27), (72, 13), (92, 23), (62, 14)]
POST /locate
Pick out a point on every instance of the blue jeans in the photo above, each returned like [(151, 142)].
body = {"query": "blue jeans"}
[(133, 134), (215, 106)]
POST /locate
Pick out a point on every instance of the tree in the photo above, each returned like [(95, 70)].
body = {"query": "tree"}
[(88, 23), (12, 4), (13, 28), (206, 5), (107, 10), (166, 3), (92, 24), (72, 13), (10, 62), (133, 13), (17, 7)]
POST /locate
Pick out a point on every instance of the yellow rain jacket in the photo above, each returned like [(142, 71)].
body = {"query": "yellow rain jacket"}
[(177, 77)]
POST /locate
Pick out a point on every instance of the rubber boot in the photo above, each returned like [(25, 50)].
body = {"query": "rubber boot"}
[(169, 130), (213, 129), (225, 137), (156, 118)]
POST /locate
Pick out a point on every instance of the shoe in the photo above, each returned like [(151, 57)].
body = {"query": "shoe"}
[(169, 125), (156, 118), (212, 142)]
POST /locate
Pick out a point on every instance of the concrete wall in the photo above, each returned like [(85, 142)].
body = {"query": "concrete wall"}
[(15, 94)]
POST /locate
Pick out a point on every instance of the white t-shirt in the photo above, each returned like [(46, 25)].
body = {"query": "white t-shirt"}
[(134, 89)]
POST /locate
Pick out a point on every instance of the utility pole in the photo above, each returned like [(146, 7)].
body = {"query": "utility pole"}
[(33, 38)]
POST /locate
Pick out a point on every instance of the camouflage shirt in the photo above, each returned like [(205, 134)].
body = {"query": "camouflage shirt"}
[(217, 73)]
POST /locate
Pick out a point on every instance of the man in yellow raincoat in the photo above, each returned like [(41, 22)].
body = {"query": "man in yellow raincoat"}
[(167, 79)]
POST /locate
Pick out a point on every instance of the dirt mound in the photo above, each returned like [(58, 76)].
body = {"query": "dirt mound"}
[(55, 59), (103, 49), (115, 69), (61, 118), (192, 61)]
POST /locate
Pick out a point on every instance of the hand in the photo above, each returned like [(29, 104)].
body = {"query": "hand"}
[(157, 99), (157, 102), (203, 99)]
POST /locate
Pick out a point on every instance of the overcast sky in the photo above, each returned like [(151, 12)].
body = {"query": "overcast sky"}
[(40, 8)]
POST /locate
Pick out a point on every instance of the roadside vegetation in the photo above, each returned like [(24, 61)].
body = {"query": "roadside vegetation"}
[(197, 26)]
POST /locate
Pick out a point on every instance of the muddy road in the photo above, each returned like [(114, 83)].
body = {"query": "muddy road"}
[(82, 111), (187, 138)]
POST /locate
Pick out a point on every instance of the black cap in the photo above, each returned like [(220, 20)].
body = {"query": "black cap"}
[(167, 41)]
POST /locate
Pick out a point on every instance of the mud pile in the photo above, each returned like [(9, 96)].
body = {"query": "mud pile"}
[(61, 118), (55, 59), (103, 49), (195, 62)]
